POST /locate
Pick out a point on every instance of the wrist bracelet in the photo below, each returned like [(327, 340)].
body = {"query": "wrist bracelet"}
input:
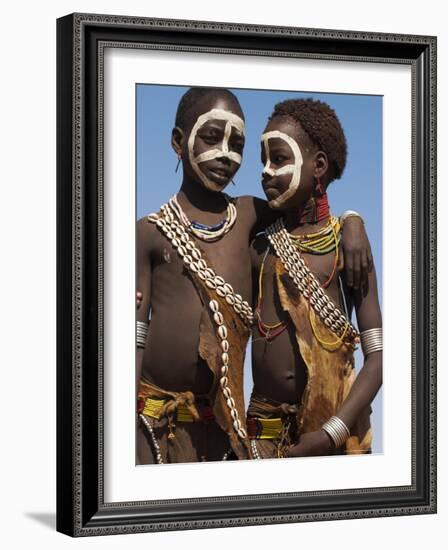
[(349, 214), (142, 333), (371, 340), (337, 430)]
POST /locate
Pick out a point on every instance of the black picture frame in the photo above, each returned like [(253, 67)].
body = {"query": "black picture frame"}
[(81, 510)]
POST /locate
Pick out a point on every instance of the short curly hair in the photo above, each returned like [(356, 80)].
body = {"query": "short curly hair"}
[(193, 95), (322, 126)]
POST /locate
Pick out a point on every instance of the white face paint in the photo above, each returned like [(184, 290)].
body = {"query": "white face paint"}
[(293, 169), (232, 121)]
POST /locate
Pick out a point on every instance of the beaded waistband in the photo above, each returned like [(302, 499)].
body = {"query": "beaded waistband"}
[(152, 407), (264, 428)]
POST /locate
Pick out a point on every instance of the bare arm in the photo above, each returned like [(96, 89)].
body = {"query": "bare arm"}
[(367, 383), (143, 282), (256, 213), (369, 379)]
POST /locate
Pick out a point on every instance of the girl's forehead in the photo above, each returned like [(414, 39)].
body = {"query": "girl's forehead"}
[(285, 125), (293, 129), (220, 118), (223, 103)]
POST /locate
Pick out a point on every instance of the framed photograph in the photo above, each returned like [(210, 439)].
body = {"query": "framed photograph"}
[(210, 370)]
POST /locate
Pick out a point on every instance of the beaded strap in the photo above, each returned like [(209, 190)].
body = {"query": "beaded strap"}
[(218, 318), (192, 258), (306, 282), (154, 442), (156, 445), (253, 446)]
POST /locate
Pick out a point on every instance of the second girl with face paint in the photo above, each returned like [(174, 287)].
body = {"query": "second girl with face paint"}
[(307, 400)]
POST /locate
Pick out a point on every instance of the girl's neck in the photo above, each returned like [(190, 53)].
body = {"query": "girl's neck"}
[(313, 212), (195, 194)]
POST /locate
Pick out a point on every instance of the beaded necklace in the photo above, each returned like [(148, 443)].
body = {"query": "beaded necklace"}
[(315, 210), (309, 286), (208, 233), (269, 332), (321, 242)]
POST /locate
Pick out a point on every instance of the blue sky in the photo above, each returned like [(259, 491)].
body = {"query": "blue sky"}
[(360, 187)]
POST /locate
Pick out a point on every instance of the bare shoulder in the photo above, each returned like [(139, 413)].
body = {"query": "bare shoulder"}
[(256, 211), (260, 242), (147, 234), (245, 204), (251, 203)]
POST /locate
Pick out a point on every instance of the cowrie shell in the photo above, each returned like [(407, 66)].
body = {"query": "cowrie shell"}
[(214, 306), (218, 318), (231, 403)]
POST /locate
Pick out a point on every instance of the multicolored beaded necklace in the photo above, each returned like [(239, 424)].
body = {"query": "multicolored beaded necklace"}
[(319, 243), (269, 332)]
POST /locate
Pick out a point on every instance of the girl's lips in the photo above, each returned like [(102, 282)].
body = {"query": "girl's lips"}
[(220, 176)]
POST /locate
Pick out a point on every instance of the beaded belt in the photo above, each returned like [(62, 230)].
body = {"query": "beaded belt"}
[(152, 407), (264, 428)]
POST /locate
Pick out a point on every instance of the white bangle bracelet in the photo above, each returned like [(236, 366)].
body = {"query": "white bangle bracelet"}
[(371, 340), (349, 214), (337, 430), (142, 333)]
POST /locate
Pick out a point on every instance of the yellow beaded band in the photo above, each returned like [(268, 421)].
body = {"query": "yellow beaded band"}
[(264, 428), (153, 408)]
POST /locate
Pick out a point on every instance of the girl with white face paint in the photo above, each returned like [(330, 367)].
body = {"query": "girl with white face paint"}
[(293, 169), (194, 270), (232, 124), (284, 171), (306, 401)]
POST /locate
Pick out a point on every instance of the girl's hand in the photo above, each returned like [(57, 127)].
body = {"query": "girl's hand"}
[(139, 298), (316, 443)]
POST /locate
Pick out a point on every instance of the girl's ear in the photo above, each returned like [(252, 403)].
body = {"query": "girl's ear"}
[(177, 140), (320, 164)]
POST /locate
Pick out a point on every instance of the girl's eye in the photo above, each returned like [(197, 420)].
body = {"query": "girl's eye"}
[(278, 159), (211, 138), (238, 146)]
